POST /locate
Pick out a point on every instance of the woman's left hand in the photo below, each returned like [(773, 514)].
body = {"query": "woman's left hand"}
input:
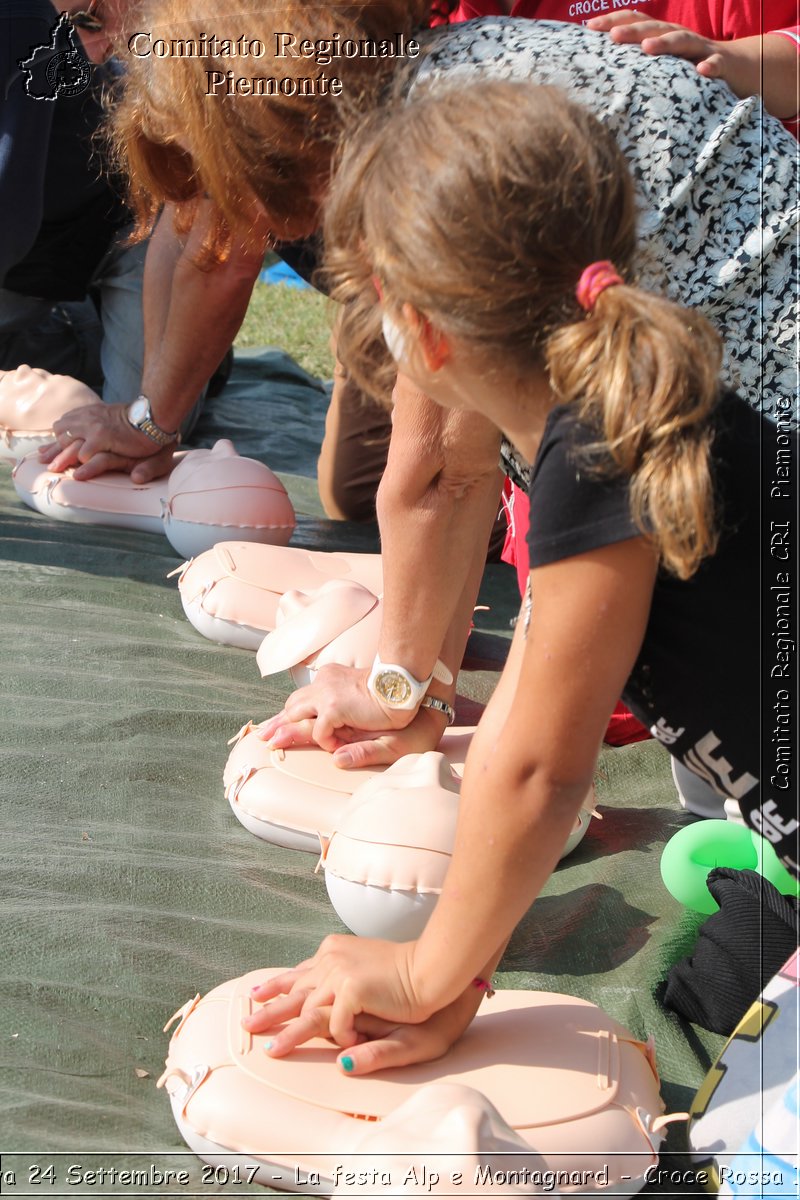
[(383, 1044), (99, 438), (375, 1044), (326, 994)]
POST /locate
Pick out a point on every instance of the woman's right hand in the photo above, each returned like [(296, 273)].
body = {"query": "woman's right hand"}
[(339, 713), (98, 438)]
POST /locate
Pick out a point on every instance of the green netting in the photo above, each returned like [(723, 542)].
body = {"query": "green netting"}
[(128, 885)]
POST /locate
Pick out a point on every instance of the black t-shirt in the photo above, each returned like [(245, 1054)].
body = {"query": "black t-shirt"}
[(68, 192), (708, 681), (24, 128), (80, 209)]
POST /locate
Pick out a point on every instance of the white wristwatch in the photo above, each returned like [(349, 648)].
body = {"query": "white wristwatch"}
[(140, 417), (396, 687)]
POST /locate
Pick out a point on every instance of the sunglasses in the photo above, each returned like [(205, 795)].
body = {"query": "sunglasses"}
[(87, 18)]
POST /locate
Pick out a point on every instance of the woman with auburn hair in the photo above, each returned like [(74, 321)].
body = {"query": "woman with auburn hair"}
[(178, 136), (648, 515)]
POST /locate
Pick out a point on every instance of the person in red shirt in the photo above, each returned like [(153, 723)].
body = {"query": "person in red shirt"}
[(727, 39)]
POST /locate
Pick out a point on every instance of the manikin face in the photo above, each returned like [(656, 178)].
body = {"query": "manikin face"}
[(25, 387)]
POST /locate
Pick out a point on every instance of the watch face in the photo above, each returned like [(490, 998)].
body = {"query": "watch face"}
[(137, 411), (392, 687)]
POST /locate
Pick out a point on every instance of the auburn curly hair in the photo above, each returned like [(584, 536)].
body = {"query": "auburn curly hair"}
[(175, 142)]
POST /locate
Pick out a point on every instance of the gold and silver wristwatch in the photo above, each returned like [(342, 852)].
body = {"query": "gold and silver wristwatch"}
[(141, 418), (397, 688)]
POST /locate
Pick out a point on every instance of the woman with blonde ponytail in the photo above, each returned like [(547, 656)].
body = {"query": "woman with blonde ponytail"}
[(505, 287)]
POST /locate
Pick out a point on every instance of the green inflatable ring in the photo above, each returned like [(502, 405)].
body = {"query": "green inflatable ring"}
[(694, 851)]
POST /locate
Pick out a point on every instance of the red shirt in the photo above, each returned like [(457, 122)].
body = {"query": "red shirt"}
[(718, 19)]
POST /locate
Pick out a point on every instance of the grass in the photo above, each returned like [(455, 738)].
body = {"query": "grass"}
[(296, 320)]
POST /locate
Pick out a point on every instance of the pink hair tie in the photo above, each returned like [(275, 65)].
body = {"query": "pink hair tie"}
[(483, 986), (595, 279)]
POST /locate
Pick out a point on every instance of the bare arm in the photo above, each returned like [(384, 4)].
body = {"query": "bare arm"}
[(532, 761), (765, 65), (436, 505), (191, 315), (186, 337), (164, 251), (527, 772)]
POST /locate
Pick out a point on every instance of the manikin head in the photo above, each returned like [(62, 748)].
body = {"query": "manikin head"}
[(31, 398)]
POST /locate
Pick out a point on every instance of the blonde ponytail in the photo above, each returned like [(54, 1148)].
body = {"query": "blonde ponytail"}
[(644, 373)]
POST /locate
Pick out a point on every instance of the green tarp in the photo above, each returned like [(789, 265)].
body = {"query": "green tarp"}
[(127, 883)]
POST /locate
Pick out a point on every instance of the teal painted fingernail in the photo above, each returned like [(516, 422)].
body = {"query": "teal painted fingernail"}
[(347, 1063), (268, 1046)]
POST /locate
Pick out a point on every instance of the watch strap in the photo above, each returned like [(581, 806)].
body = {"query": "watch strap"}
[(441, 672), (148, 426), (440, 706)]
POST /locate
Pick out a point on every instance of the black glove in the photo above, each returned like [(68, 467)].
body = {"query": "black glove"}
[(738, 950)]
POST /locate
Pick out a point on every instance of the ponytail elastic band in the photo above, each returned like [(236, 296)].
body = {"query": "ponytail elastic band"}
[(594, 280)]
